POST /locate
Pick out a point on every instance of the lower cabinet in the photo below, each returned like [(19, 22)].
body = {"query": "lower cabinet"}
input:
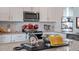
[(18, 37), (12, 38), (5, 38)]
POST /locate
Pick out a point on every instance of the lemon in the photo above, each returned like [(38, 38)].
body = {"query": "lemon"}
[(55, 40)]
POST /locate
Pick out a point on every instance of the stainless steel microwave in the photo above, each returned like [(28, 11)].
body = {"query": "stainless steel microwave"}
[(30, 16)]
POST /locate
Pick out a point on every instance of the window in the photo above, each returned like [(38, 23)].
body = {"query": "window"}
[(67, 24)]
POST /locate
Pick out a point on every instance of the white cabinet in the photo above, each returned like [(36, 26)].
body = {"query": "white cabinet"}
[(28, 9), (51, 13), (4, 14), (16, 14), (5, 38), (31, 9), (36, 9), (18, 37), (57, 13), (43, 13), (8, 38)]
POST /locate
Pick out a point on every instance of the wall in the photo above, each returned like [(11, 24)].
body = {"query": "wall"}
[(14, 26), (72, 12), (17, 26), (58, 25), (75, 14), (68, 12)]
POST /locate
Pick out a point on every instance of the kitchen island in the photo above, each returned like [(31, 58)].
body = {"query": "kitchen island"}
[(74, 46)]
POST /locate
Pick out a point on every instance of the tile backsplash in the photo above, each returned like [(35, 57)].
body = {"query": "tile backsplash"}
[(17, 26)]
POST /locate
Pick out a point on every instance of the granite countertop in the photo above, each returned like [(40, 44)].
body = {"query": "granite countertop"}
[(11, 33), (74, 46), (52, 32), (44, 32)]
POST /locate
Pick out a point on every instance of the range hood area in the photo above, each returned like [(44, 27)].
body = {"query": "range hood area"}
[(31, 17)]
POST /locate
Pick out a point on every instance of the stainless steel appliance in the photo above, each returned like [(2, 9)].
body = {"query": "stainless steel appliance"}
[(30, 16)]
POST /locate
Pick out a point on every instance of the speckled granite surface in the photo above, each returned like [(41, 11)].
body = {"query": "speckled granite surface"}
[(74, 46)]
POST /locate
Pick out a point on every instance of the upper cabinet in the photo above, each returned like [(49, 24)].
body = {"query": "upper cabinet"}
[(16, 14), (45, 13), (31, 9), (28, 9), (4, 14), (51, 13), (36, 9), (54, 13)]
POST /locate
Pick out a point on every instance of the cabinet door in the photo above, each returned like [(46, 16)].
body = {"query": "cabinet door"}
[(18, 37), (5, 38), (16, 14), (4, 14), (28, 9), (43, 13), (36, 9), (51, 13), (54, 13)]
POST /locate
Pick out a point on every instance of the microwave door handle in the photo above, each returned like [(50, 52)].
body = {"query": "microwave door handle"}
[(38, 15)]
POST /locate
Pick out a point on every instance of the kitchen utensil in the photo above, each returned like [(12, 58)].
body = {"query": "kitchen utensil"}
[(35, 26), (46, 27), (30, 26)]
